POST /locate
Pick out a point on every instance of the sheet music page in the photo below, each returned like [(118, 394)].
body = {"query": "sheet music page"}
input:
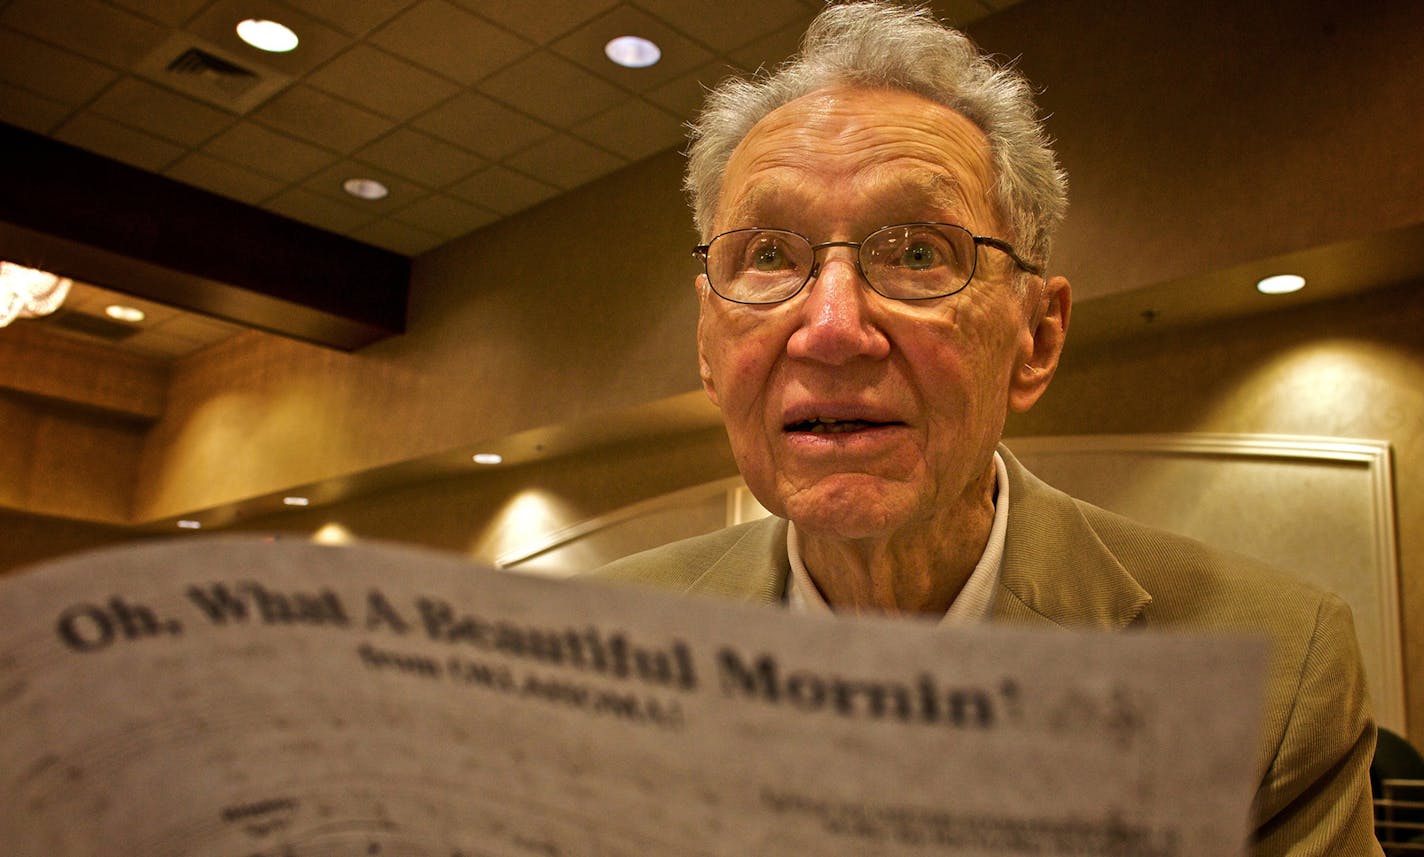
[(241, 697)]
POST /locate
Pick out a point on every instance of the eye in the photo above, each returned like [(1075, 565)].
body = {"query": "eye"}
[(768, 255), (920, 255)]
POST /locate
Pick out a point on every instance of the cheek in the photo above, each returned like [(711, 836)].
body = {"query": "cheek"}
[(741, 353), (960, 366)]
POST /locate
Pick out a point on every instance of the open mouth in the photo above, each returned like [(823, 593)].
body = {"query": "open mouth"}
[(823, 425)]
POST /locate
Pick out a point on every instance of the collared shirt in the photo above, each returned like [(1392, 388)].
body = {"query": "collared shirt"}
[(974, 601)]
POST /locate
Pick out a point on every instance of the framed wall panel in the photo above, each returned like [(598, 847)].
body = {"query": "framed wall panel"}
[(1321, 508)]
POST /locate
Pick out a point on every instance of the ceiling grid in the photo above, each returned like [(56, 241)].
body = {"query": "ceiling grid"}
[(467, 110)]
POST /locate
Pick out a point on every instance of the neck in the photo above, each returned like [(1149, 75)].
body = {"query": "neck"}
[(920, 568)]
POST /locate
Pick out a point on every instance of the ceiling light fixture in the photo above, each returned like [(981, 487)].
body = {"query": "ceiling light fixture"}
[(267, 35), (1281, 284), (118, 312), (29, 292), (189, 525), (632, 52), (296, 501), (488, 458), (365, 188)]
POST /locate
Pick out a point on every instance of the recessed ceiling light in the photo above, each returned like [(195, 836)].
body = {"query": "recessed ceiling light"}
[(365, 188), (267, 35), (296, 501), (190, 525), (1281, 284), (488, 458), (118, 312), (633, 52)]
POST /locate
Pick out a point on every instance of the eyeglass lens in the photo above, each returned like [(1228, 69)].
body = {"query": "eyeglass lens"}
[(906, 262)]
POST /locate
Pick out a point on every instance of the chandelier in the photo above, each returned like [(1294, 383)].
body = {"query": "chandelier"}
[(27, 292)]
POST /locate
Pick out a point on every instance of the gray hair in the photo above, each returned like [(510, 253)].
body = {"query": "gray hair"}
[(879, 44)]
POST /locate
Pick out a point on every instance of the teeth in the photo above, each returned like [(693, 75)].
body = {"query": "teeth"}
[(828, 426)]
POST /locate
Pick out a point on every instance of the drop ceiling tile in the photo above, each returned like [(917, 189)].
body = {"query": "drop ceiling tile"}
[(269, 152), (769, 50), (725, 25), (318, 42), (47, 71), (445, 216), (171, 12), (448, 40), (224, 178), (502, 190), (397, 237), (96, 30), (555, 18), (301, 204), (585, 47), (119, 142), (322, 119), (353, 19), (420, 158), (328, 183), (684, 96), (32, 112), (565, 161), (482, 125), (552, 89), (378, 81), (137, 102), (634, 129)]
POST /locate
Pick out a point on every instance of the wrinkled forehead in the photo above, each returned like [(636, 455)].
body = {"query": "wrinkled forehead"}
[(884, 145)]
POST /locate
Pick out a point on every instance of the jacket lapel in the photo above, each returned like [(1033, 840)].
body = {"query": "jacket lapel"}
[(754, 568), (1057, 571)]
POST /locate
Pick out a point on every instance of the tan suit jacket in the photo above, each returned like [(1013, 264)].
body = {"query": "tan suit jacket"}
[(1072, 565)]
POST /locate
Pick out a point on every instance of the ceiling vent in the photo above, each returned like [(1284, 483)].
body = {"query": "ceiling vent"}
[(198, 68), (229, 78)]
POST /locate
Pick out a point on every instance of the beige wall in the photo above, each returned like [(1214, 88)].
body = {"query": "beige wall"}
[(485, 515), (579, 307), (1352, 369), (67, 461), (1198, 135)]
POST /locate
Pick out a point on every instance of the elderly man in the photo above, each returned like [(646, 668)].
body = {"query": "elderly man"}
[(877, 216)]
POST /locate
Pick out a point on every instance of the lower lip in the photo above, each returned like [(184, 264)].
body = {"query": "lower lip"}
[(860, 441)]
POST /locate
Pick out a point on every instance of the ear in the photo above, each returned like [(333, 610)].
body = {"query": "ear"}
[(1041, 343), (704, 368)]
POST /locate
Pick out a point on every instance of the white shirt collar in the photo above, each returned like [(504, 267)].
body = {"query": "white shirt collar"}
[(974, 601)]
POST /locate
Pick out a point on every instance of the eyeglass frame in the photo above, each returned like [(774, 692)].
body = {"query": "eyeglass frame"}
[(701, 251)]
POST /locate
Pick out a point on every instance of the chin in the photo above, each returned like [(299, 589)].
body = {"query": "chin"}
[(846, 512)]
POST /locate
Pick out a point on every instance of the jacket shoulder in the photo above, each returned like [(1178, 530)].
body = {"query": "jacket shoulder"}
[(1193, 584), (745, 561)]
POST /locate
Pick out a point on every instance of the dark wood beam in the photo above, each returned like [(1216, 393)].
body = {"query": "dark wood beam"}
[(94, 219)]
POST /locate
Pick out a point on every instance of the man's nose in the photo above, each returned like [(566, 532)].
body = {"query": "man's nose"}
[(835, 325)]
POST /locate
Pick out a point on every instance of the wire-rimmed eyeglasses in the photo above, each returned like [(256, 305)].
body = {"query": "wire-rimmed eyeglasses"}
[(906, 262)]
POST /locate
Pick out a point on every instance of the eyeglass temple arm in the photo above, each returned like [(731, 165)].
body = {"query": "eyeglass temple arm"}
[(1008, 249)]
